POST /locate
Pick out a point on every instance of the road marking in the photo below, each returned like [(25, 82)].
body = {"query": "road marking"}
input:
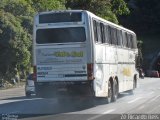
[(10, 101), (134, 100), (153, 110), (154, 99), (141, 107), (150, 93), (98, 116)]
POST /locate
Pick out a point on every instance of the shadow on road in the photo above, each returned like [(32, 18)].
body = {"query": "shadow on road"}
[(32, 107), (124, 94)]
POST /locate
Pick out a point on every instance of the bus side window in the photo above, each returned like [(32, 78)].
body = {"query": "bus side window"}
[(114, 36), (128, 40), (95, 30), (134, 42), (126, 36), (106, 32), (102, 32), (119, 37), (131, 39), (124, 39), (109, 35), (99, 33)]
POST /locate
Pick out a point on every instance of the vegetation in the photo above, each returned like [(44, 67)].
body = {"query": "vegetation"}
[(144, 16), (16, 22), (108, 9), (144, 19)]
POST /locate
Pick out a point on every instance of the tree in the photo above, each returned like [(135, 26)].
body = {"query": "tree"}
[(16, 24), (108, 9), (14, 45), (119, 7), (47, 5), (18, 8), (144, 17)]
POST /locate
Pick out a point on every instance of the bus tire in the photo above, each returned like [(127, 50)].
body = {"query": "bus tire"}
[(130, 92), (115, 91), (134, 84), (109, 97)]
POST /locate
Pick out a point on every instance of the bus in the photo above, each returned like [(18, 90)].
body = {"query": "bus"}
[(78, 53)]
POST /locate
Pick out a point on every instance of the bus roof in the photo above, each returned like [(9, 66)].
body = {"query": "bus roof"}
[(89, 13), (111, 23)]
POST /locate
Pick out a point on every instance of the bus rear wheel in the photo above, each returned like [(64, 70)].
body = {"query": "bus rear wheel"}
[(112, 92), (109, 97), (115, 91), (134, 84)]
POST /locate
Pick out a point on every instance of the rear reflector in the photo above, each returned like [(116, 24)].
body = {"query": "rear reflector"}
[(90, 71), (35, 73)]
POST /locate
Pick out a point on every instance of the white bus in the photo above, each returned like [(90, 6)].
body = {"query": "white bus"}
[(78, 53)]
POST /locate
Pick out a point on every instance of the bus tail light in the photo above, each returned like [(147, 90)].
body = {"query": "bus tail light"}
[(35, 73), (90, 71)]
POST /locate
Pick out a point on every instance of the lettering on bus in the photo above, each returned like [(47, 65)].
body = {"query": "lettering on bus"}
[(42, 73), (126, 71), (68, 54), (44, 68)]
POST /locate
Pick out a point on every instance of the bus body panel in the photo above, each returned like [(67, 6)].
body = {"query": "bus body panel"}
[(61, 64), (110, 62), (66, 64)]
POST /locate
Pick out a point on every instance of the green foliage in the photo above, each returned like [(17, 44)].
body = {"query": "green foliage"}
[(14, 45), (144, 17), (108, 9), (18, 8), (47, 5), (27, 23), (16, 24), (119, 7)]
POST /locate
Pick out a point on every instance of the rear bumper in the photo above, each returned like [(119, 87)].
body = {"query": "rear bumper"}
[(30, 89), (66, 88)]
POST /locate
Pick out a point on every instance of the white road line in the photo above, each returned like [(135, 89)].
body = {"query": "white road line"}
[(153, 110), (10, 101), (150, 93), (134, 100), (141, 107), (154, 99), (98, 116)]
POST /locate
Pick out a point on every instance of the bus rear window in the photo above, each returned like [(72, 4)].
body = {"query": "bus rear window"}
[(60, 17), (60, 35)]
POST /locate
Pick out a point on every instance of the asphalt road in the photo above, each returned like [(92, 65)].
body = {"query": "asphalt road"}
[(143, 104)]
